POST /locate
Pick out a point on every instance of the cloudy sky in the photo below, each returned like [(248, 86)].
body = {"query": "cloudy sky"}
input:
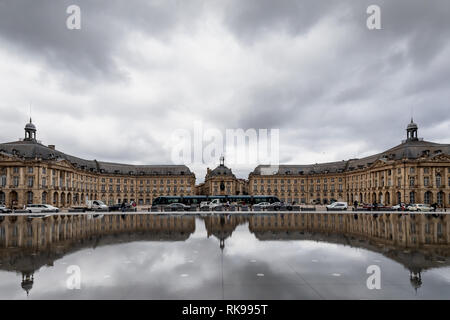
[(118, 89)]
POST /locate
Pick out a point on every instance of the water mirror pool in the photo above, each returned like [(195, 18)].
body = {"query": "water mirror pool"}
[(225, 256)]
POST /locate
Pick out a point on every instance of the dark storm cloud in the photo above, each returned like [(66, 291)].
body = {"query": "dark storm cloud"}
[(413, 36), (254, 18), (38, 28)]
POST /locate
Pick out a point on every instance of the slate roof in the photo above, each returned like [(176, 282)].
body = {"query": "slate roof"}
[(410, 149), (221, 170), (32, 149)]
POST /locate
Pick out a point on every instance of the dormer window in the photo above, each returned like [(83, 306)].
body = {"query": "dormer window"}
[(426, 153)]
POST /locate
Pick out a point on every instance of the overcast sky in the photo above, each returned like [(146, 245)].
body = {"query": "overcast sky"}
[(117, 89)]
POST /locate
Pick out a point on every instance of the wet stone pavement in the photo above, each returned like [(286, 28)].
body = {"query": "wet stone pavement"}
[(225, 256)]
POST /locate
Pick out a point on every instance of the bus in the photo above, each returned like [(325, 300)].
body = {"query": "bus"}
[(196, 200)]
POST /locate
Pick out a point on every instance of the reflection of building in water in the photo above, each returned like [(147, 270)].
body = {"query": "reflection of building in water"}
[(222, 226), (417, 241), (416, 279), (27, 244), (27, 281)]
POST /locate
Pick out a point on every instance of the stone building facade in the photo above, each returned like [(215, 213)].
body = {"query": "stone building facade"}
[(31, 172), (415, 171), (222, 181)]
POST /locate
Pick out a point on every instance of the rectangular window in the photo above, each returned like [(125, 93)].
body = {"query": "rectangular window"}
[(3, 180), (438, 181), (30, 182)]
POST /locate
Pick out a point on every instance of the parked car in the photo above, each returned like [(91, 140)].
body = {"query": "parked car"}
[(38, 208), (4, 209), (275, 206), (262, 205), (374, 207), (115, 207), (118, 207), (400, 207), (96, 205), (204, 204), (215, 203), (419, 207), (178, 207), (337, 206)]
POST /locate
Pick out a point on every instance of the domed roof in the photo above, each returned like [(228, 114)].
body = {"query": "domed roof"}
[(30, 126), (411, 125), (221, 171), (27, 285)]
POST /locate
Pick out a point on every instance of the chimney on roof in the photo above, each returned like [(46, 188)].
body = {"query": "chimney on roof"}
[(51, 146)]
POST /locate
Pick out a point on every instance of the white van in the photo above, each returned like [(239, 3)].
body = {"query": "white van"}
[(215, 203), (96, 205), (337, 206)]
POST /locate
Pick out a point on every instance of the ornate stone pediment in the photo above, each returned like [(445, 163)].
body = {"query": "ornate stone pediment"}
[(440, 158), (379, 164), (64, 163), (5, 157)]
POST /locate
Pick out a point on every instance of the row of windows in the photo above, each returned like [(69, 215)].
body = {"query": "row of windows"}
[(374, 175), (147, 189), (294, 181), (302, 188), (75, 176)]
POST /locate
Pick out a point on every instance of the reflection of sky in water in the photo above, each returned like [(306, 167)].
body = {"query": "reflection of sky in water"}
[(246, 269)]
